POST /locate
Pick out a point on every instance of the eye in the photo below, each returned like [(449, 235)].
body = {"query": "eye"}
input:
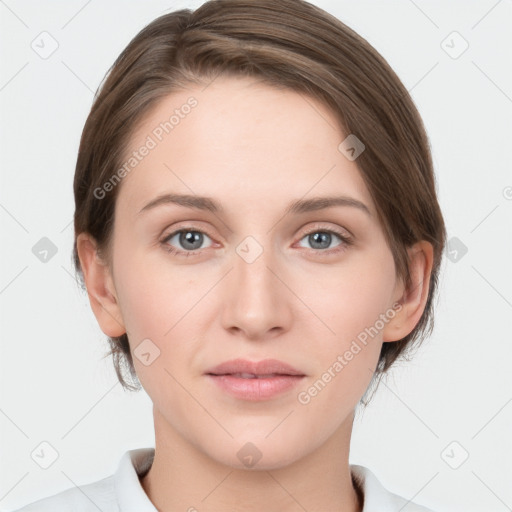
[(321, 239), (190, 239)]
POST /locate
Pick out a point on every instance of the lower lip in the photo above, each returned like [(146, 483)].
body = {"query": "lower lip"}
[(256, 389)]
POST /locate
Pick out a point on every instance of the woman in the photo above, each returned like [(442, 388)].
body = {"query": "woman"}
[(258, 232)]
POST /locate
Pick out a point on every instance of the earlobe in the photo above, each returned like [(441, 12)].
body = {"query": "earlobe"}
[(414, 298), (100, 287)]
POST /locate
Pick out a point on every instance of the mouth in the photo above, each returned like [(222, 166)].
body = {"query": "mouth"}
[(244, 368), (252, 375), (255, 381)]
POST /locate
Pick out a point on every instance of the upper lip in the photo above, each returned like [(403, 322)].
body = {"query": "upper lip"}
[(264, 367)]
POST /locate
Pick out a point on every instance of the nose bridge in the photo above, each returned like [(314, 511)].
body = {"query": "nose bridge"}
[(256, 303), (252, 274), (252, 264)]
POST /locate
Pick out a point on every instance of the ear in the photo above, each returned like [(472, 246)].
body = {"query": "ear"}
[(411, 300), (100, 287)]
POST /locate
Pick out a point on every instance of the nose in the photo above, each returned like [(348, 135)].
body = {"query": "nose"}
[(257, 302)]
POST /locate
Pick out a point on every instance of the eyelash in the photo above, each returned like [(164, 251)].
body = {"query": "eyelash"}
[(345, 241)]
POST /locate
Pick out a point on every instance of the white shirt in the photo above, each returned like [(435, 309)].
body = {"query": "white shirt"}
[(122, 491)]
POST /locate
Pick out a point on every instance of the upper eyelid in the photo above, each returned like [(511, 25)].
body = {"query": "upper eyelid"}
[(331, 230), (314, 229), (205, 231), (175, 231)]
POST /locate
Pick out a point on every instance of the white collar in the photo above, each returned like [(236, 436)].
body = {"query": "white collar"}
[(130, 494)]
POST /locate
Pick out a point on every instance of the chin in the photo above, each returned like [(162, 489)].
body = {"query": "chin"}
[(259, 455)]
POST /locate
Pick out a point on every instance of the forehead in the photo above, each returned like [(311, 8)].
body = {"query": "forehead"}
[(240, 138)]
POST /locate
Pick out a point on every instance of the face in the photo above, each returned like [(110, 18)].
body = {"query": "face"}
[(252, 279)]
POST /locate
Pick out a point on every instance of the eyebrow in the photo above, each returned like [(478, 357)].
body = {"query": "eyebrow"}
[(299, 206)]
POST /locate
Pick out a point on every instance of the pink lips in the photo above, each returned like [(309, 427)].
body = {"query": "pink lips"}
[(254, 381)]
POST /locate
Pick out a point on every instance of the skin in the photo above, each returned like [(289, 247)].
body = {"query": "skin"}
[(253, 148)]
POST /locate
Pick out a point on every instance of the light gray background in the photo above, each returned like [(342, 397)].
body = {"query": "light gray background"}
[(56, 388)]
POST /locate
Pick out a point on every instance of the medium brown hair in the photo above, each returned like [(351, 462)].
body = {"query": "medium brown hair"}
[(285, 43)]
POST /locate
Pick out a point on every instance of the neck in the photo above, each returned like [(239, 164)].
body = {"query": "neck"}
[(182, 477)]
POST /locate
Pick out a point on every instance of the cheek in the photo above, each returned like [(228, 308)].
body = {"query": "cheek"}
[(153, 299), (165, 305), (351, 303), (352, 297)]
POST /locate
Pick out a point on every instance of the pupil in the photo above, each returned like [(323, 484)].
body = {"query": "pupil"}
[(318, 238), (189, 237)]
